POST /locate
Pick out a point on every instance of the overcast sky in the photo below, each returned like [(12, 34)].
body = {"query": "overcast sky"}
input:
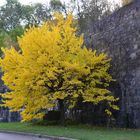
[(45, 1)]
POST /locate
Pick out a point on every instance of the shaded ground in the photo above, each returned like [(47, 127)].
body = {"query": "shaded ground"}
[(80, 132), (4, 136)]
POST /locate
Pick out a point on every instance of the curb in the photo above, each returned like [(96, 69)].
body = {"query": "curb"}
[(37, 135)]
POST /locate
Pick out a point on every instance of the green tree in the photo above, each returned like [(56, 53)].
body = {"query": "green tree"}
[(11, 15), (90, 11), (58, 6)]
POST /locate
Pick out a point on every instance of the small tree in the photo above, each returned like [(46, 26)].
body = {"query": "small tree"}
[(54, 67)]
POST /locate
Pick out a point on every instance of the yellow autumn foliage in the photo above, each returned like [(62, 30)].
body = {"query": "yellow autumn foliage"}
[(53, 64)]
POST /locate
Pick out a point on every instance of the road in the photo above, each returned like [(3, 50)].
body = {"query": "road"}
[(4, 136)]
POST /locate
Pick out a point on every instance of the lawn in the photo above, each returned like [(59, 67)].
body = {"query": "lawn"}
[(79, 132)]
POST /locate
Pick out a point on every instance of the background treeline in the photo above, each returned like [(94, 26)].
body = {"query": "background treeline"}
[(15, 17)]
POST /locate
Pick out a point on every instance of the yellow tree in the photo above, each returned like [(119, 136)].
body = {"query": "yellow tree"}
[(53, 67)]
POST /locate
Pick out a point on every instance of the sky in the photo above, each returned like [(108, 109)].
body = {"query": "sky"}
[(45, 1)]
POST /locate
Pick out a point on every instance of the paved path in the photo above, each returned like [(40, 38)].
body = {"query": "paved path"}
[(5, 136)]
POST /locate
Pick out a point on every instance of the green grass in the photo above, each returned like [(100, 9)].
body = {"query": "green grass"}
[(80, 132)]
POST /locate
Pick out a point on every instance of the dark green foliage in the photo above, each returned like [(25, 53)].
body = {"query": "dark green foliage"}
[(11, 14), (56, 5), (17, 32), (3, 36)]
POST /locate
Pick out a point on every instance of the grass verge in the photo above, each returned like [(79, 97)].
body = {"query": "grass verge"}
[(80, 132)]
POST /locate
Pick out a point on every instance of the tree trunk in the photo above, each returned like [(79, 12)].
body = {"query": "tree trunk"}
[(62, 111)]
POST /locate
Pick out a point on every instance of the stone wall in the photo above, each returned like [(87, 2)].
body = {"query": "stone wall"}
[(119, 36)]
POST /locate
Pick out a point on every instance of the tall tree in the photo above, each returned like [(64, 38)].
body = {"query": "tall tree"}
[(50, 71), (10, 15), (36, 14), (15, 17), (57, 5), (90, 11)]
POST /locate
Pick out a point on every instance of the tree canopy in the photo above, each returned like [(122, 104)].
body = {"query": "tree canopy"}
[(53, 67)]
